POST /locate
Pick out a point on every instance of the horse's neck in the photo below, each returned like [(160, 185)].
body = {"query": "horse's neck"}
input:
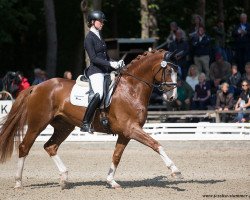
[(143, 67), (140, 80)]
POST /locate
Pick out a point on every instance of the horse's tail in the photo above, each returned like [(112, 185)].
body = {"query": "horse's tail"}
[(13, 125)]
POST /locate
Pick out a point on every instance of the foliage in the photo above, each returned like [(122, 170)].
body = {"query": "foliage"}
[(21, 34), (14, 18), (23, 38)]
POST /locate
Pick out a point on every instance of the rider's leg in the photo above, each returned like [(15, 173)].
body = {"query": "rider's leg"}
[(87, 119), (97, 81)]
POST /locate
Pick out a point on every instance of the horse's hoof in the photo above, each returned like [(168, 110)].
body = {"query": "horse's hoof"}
[(18, 185), (177, 175), (113, 184), (64, 185)]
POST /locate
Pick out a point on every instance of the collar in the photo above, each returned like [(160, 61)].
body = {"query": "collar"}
[(95, 31)]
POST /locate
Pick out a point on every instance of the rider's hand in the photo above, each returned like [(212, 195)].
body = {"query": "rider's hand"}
[(114, 64), (121, 63)]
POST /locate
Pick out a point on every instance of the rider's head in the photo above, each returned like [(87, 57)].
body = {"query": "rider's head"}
[(96, 18)]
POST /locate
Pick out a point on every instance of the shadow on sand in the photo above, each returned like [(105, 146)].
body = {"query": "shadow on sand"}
[(159, 181)]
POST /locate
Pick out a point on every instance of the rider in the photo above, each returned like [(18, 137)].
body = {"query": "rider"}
[(100, 64)]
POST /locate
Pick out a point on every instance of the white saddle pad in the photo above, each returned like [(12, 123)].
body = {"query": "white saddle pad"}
[(80, 93)]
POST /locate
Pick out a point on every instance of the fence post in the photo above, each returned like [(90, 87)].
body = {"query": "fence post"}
[(217, 117)]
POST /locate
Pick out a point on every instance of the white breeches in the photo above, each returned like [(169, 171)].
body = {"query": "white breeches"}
[(97, 81)]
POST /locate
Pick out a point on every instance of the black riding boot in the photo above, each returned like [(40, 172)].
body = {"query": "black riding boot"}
[(87, 119)]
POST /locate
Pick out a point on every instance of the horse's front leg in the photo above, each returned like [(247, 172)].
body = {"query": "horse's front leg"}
[(119, 148), (138, 134)]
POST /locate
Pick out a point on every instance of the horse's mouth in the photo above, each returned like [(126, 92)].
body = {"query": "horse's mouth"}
[(168, 98)]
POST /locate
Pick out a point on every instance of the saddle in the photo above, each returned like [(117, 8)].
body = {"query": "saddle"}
[(82, 93)]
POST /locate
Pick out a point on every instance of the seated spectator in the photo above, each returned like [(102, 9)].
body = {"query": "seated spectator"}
[(224, 101), (220, 36), (246, 76), (171, 37), (234, 81), (192, 76), (181, 47), (67, 75), (40, 76), (220, 70), (201, 47), (24, 84), (243, 102), (185, 94), (202, 94), (197, 21)]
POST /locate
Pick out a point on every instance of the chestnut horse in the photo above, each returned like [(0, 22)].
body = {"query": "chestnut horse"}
[(48, 103)]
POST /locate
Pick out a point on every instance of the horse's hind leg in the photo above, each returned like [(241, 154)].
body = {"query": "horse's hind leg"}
[(119, 148), (138, 134), (61, 131), (24, 149)]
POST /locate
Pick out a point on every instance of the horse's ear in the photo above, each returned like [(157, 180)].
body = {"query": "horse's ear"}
[(170, 56)]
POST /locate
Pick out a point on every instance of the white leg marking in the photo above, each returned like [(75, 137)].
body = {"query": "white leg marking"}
[(110, 178), (19, 172), (63, 171), (170, 164), (59, 163)]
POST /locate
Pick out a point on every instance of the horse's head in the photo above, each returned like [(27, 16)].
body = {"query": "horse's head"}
[(166, 76)]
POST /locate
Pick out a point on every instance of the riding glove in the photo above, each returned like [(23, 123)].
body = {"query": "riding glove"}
[(114, 64), (121, 63)]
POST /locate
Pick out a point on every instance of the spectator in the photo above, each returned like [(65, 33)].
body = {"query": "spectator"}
[(220, 70), (181, 47), (171, 37), (197, 21), (224, 101), (185, 94), (234, 80), (243, 102), (241, 36), (192, 76), (220, 36), (200, 43), (24, 84), (67, 75), (246, 76), (40, 76), (202, 94), (11, 83), (44, 76)]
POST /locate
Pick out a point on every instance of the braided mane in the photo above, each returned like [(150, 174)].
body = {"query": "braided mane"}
[(145, 54)]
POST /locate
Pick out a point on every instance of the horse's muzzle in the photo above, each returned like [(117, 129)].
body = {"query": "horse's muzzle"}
[(168, 97)]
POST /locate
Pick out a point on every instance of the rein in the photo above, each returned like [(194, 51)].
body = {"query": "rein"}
[(160, 86)]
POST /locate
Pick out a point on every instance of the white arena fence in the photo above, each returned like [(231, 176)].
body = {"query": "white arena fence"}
[(169, 131), (159, 131)]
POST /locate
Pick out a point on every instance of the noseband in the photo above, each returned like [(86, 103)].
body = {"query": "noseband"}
[(160, 86)]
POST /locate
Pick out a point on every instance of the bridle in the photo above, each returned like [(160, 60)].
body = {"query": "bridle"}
[(165, 71)]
